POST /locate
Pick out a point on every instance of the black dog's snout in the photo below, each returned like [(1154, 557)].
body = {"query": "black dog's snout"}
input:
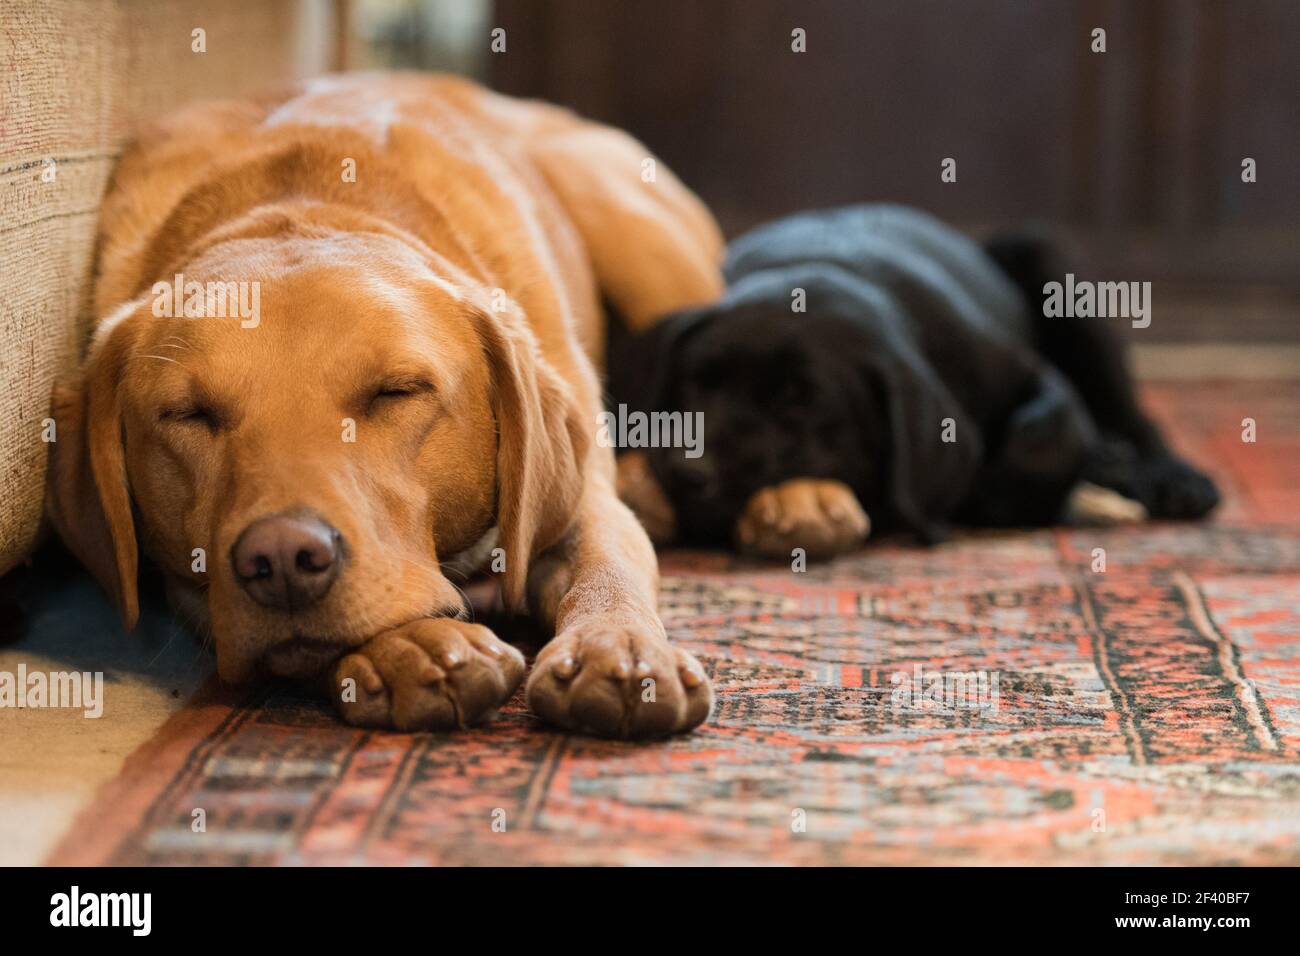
[(287, 561)]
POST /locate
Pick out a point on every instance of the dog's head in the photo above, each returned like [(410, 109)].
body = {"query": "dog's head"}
[(299, 476), (837, 391)]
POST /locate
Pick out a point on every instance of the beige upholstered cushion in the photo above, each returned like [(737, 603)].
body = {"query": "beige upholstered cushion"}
[(76, 77)]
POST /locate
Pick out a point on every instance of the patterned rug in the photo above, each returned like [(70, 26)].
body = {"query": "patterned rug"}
[(1144, 713)]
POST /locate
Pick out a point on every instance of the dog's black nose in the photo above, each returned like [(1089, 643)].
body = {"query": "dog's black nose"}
[(287, 561)]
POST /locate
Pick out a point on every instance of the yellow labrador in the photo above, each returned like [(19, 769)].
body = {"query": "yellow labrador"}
[(348, 337)]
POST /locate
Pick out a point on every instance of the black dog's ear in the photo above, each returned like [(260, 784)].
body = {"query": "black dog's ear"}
[(935, 449), (640, 366)]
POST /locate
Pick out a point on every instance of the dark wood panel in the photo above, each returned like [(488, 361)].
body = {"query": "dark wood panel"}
[(1134, 154)]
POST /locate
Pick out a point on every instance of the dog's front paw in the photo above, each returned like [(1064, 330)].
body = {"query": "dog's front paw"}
[(821, 516), (618, 681), (433, 674)]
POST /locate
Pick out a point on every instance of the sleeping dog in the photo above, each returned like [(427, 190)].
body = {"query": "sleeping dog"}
[(407, 387), (869, 365)]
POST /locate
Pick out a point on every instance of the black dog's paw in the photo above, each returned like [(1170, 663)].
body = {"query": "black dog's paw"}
[(1167, 486), (819, 515), (1175, 489)]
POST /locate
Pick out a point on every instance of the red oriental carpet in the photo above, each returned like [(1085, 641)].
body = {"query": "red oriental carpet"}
[(1147, 713)]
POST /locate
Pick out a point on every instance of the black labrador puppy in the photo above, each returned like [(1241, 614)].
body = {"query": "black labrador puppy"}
[(871, 359)]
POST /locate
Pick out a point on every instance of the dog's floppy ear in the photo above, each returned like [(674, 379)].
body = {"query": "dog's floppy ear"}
[(542, 443), (929, 475), (640, 365), (87, 497)]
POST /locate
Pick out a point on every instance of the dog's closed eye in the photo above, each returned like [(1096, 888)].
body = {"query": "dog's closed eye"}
[(395, 390), (191, 413)]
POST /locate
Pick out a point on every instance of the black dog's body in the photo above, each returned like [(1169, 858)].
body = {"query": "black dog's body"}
[(921, 373)]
